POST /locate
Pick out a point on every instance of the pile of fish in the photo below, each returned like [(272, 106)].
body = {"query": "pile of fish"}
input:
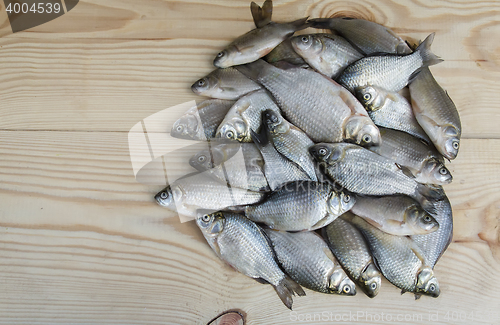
[(319, 171)]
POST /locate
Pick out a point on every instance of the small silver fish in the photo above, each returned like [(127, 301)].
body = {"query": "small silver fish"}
[(242, 244), (436, 113), (201, 121), (390, 72), (303, 95), (257, 43), (400, 260), (396, 215), (327, 53), (200, 191), (350, 248), (309, 262), (299, 206), (226, 83), (216, 153), (290, 141), (366, 35), (245, 115), (390, 110), (422, 160)]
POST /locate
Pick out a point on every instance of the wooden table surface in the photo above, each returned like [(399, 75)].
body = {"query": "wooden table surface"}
[(82, 242)]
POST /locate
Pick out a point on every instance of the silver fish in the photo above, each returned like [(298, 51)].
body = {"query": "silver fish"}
[(422, 160), (245, 115), (262, 15), (434, 244), (290, 141), (303, 95), (277, 168), (368, 36), (200, 191), (400, 260), (257, 43), (390, 72), (353, 253), (309, 262), (201, 121), (243, 245), (362, 171), (436, 113), (226, 83), (397, 215), (299, 206), (327, 53), (390, 110)]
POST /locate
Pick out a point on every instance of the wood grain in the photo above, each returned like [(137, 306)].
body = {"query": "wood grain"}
[(83, 242)]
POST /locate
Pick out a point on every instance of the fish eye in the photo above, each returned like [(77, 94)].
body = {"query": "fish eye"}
[(205, 218), (220, 54), (164, 195), (443, 171), (201, 158), (229, 134), (322, 151), (373, 286), (455, 145), (367, 138), (179, 128), (347, 198), (201, 82), (346, 289), (427, 219), (367, 96), (305, 39), (432, 287)]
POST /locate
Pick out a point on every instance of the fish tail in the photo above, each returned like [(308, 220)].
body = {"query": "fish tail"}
[(300, 24), (287, 288), (320, 23), (254, 69), (428, 195), (262, 16), (427, 56)]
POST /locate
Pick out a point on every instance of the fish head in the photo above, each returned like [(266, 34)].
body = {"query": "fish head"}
[(327, 153), (234, 128), (450, 142), (362, 131), (186, 127), (371, 98), (165, 198), (340, 202), (370, 280), (434, 172), (306, 45), (427, 283), (211, 224), (202, 160), (206, 86), (224, 59), (339, 283), (420, 220), (274, 121)]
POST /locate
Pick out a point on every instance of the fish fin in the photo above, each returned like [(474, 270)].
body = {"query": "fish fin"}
[(405, 171), (261, 280), (253, 70), (403, 291), (417, 296), (320, 23), (430, 192), (323, 222), (287, 288), (330, 255), (260, 139), (285, 65), (427, 56), (373, 223), (300, 24), (419, 254), (394, 223), (262, 16), (402, 49)]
